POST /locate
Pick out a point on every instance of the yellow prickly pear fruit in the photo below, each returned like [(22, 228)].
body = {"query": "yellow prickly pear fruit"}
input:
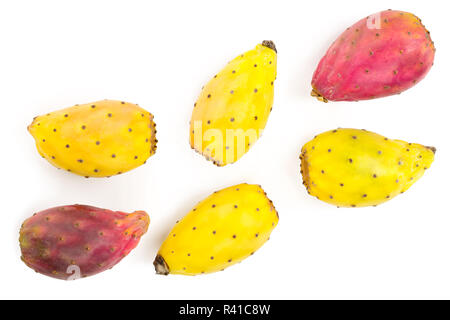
[(234, 106), (222, 230), (98, 139), (358, 168)]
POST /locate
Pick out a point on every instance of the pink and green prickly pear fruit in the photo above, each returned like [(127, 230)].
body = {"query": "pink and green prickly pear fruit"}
[(381, 55), (70, 242)]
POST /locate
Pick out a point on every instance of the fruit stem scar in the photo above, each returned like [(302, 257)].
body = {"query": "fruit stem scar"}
[(432, 149), (161, 266), (269, 44), (315, 93)]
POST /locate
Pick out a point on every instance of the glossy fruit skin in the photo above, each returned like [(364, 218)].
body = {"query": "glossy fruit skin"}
[(358, 168), (98, 139), (221, 230), (370, 61), (236, 102), (86, 240)]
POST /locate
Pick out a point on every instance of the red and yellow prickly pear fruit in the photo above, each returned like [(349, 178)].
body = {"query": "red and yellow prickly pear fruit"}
[(222, 230), (70, 242), (358, 168), (234, 106), (98, 139), (381, 55)]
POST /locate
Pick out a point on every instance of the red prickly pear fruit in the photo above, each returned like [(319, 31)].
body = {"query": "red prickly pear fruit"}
[(381, 55), (70, 242)]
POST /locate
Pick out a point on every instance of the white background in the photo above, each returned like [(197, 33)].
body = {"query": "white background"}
[(159, 54)]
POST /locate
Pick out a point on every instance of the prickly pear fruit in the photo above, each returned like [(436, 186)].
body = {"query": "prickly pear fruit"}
[(381, 55), (234, 106), (222, 230), (358, 168), (98, 139), (70, 242)]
